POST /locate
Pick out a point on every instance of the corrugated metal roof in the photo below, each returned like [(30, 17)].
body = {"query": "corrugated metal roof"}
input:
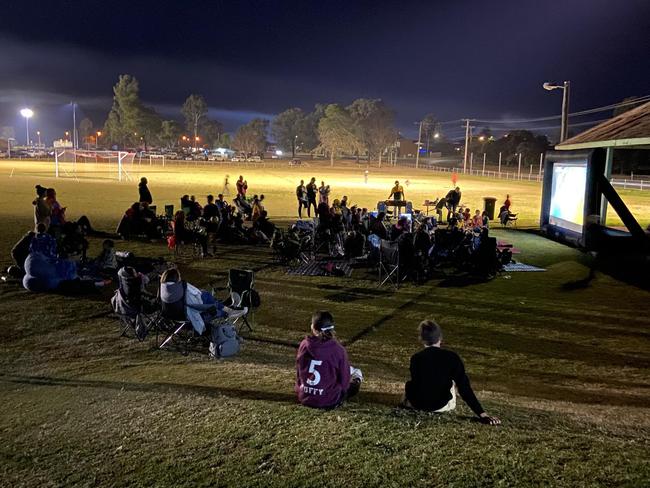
[(631, 128)]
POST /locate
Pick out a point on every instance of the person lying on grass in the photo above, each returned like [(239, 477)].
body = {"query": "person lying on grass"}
[(324, 377), (435, 375)]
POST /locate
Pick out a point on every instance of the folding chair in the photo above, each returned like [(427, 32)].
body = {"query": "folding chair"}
[(133, 306), (178, 328), (241, 287), (169, 212), (389, 270)]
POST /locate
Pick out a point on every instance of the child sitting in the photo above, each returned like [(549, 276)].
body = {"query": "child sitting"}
[(324, 377)]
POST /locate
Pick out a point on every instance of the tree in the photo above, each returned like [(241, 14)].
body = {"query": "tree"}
[(195, 111), (429, 125), (374, 124), (170, 131), (251, 138), (310, 140), (211, 132), (337, 132), (85, 129), (289, 129), (124, 117)]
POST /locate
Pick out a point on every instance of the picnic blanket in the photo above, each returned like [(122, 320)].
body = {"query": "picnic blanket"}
[(511, 267), (322, 268)]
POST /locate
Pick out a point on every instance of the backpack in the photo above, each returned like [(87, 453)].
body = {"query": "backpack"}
[(224, 341)]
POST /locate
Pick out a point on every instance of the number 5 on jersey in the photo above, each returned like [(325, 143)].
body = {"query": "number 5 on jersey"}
[(315, 374)]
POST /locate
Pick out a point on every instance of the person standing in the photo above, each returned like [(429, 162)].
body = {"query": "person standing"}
[(436, 373), (226, 185), (507, 203), (301, 195), (324, 377), (242, 187), (311, 197), (143, 189), (323, 193)]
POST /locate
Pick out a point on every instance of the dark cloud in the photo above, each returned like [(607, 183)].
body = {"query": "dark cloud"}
[(256, 58)]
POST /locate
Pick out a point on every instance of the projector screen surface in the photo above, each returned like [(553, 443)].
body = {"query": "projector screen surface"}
[(568, 195)]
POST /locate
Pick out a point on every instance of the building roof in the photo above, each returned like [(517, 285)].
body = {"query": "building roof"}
[(629, 129)]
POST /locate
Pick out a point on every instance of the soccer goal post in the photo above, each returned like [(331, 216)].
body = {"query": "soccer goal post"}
[(98, 164)]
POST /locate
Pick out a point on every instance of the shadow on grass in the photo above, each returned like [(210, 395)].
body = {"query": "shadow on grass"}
[(156, 387)]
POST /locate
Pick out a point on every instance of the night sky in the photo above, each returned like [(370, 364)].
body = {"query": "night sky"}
[(456, 59)]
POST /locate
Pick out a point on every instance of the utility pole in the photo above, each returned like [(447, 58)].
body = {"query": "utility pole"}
[(565, 111), (74, 125), (467, 136), (417, 154)]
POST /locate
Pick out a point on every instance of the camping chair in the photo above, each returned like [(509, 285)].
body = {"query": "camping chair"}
[(169, 212), (133, 306), (241, 283), (389, 263), (178, 328)]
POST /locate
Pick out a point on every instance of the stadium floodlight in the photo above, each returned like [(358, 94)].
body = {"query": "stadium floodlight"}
[(27, 113), (436, 135)]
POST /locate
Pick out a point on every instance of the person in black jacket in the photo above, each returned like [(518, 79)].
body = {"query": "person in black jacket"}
[(435, 375), (145, 194)]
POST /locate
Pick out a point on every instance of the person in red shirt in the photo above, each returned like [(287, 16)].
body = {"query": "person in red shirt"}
[(507, 203), (324, 377), (242, 186)]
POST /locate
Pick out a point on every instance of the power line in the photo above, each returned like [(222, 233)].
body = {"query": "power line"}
[(593, 122), (574, 114)]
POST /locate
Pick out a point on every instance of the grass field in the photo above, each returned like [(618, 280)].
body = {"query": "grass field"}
[(566, 368)]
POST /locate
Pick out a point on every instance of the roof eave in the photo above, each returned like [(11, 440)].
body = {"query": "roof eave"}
[(638, 141)]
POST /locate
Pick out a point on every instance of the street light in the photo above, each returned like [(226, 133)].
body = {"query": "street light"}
[(436, 135), (27, 113), (38, 133), (99, 134), (566, 88)]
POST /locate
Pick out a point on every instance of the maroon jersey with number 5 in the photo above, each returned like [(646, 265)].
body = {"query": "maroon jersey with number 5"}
[(322, 372)]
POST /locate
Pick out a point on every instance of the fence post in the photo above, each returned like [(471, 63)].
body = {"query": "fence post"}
[(541, 160), (483, 172), (519, 168), (499, 165)]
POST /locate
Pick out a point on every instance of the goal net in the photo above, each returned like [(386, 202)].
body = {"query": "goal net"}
[(77, 163)]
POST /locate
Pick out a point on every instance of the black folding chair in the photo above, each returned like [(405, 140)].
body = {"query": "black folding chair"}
[(389, 270), (241, 287), (134, 307), (173, 322)]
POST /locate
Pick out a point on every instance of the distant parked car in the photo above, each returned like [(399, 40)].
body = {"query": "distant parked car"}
[(255, 159), (295, 162)]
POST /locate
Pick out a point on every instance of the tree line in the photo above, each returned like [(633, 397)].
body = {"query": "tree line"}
[(364, 128)]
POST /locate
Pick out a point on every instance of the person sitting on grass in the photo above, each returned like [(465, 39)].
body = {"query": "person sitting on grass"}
[(324, 377), (435, 375)]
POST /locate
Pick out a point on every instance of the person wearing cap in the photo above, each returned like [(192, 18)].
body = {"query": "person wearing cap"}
[(436, 373), (324, 377)]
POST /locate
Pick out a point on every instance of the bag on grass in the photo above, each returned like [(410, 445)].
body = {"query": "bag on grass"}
[(224, 341)]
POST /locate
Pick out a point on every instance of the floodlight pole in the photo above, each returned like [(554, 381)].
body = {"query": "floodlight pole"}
[(74, 125), (417, 153), (467, 136)]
